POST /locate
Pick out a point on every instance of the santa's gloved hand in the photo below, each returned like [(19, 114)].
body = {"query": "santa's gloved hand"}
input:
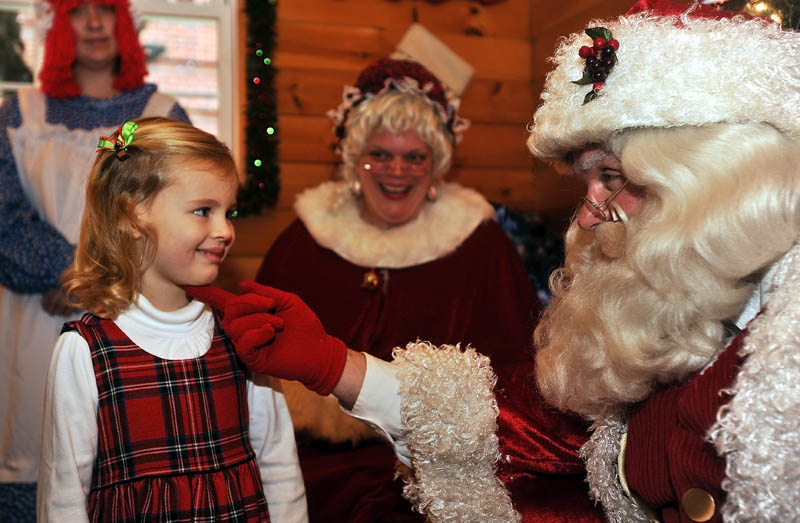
[(246, 319), (303, 351)]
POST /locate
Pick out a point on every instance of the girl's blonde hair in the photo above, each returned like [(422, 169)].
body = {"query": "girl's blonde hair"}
[(722, 204), (114, 248), (395, 112)]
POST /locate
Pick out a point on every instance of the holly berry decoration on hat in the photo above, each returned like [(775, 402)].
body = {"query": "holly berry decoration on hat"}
[(600, 58)]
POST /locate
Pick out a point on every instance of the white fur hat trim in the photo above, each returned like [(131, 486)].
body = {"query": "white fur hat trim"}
[(671, 71)]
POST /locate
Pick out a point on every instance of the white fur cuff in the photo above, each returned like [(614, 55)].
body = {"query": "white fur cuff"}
[(449, 418)]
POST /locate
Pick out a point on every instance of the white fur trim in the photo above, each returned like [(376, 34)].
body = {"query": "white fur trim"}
[(333, 217), (449, 418), (705, 71), (601, 453), (758, 431)]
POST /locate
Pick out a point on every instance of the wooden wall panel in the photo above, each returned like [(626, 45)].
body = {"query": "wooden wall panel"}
[(349, 48), (255, 234), (312, 92), (551, 20), (452, 17)]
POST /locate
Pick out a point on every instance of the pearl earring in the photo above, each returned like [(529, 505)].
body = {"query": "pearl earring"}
[(355, 188), (431, 194)]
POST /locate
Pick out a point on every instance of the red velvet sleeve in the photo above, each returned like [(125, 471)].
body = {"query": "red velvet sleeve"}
[(539, 447)]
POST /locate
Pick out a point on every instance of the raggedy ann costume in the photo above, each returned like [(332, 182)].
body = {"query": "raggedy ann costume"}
[(719, 445), (48, 139), (153, 416), (448, 275)]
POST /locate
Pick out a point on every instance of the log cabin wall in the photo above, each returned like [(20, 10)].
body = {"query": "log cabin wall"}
[(321, 45)]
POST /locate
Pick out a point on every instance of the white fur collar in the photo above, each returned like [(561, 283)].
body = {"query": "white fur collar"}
[(332, 216), (756, 432)]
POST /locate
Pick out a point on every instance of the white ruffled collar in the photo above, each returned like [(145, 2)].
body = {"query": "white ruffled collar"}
[(333, 218), (174, 335)]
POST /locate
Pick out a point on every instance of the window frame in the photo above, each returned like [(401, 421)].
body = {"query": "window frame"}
[(38, 51), (228, 60)]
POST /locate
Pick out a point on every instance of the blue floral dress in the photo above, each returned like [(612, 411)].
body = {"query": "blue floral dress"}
[(46, 149)]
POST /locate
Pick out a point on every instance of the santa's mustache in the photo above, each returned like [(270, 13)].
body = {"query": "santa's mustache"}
[(609, 239)]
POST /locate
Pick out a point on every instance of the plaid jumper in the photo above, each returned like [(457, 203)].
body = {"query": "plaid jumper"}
[(173, 442)]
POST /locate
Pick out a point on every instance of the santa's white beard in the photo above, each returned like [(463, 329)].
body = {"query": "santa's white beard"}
[(609, 337)]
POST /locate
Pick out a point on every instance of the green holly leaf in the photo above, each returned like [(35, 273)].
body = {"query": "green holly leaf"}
[(586, 79), (599, 32), (591, 95)]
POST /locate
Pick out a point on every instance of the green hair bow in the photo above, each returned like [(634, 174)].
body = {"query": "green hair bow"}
[(120, 141)]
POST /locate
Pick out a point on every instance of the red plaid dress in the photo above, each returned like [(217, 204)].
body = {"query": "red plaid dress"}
[(173, 442)]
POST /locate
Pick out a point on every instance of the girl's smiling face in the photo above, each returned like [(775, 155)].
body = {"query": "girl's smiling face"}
[(395, 174), (191, 219)]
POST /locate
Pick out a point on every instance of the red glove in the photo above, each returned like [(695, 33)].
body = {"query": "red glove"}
[(245, 319), (302, 352)]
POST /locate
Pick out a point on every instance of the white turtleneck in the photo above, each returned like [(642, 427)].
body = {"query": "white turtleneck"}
[(69, 428)]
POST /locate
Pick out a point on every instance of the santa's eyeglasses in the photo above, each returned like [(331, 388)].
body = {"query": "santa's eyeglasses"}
[(607, 210)]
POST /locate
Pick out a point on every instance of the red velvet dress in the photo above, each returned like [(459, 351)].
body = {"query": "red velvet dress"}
[(668, 452), (478, 294)]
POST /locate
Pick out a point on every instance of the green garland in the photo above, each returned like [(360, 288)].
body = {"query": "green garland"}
[(262, 184)]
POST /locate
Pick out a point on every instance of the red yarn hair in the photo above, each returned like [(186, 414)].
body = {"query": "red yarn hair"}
[(56, 75)]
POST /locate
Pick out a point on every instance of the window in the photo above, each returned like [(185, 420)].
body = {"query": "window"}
[(20, 46), (191, 45), (191, 48)]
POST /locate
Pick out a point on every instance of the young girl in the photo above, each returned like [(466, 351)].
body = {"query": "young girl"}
[(148, 413)]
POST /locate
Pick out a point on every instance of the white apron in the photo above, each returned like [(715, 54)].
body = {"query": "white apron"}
[(53, 163)]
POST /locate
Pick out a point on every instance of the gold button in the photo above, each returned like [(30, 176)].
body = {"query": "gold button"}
[(698, 504), (371, 280)]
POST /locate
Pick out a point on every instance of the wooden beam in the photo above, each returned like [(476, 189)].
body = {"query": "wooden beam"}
[(312, 92), (456, 16), (349, 48)]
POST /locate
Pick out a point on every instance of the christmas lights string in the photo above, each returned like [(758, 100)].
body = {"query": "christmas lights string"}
[(262, 184)]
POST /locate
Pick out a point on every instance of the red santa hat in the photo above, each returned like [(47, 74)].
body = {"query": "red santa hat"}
[(673, 65), (59, 53)]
